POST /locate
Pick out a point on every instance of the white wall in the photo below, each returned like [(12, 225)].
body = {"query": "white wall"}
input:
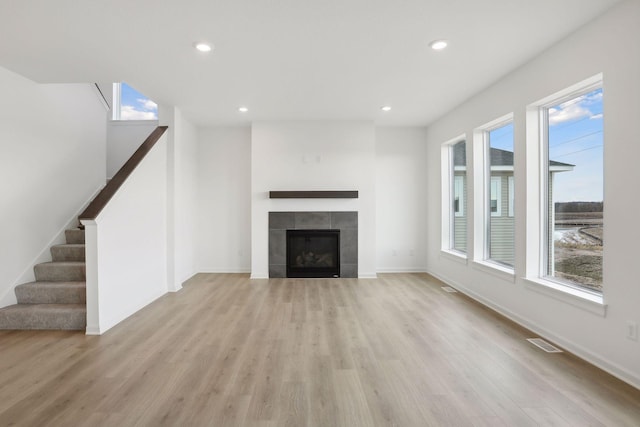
[(608, 45), (123, 139), (52, 145), (127, 245), (319, 155), (186, 199), (182, 203), (401, 200), (224, 195)]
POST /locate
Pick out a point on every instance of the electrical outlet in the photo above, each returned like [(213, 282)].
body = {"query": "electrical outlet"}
[(632, 330)]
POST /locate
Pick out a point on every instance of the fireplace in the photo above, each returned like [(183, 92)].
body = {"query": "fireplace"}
[(346, 222), (313, 253)]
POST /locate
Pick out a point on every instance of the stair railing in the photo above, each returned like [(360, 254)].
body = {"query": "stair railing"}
[(101, 200)]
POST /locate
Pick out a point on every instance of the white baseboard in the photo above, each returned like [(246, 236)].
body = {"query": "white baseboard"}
[(589, 356), (401, 270), (92, 330), (224, 271), (367, 275)]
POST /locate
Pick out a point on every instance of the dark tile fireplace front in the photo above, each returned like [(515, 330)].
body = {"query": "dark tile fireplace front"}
[(345, 259)]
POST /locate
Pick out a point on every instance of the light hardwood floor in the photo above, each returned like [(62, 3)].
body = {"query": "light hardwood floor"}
[(226, 350)]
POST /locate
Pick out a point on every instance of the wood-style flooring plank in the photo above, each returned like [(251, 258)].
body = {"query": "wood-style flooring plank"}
[(230, 351)]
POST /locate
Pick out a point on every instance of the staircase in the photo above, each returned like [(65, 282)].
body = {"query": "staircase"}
[(57, 299)]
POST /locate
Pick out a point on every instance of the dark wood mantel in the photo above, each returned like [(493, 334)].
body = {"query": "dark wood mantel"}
[(313, 194)]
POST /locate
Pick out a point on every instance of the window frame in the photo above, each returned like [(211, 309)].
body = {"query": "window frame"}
[(498, 181), (448, 214), (116, 108), (458, 184), (547, 203), (511, 194), (482, 199), (537, 208)]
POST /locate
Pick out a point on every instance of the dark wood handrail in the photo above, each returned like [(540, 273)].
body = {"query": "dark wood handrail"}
[(101, 200)]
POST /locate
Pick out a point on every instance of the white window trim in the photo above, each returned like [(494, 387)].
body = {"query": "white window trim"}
[(510, 183), (446, 204), (481, 197), (454, 255), (116, 102), (536, 195), (577, 297), (458, 185), (498, 181), (496, 269)]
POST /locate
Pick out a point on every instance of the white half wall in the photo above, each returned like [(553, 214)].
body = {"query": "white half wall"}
[(53, 157), (126, 245), (401, 199), (608, 45), (224, 195), (318, 155), (123, 139)]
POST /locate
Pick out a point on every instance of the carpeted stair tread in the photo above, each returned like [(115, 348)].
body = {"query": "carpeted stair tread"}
[(57, 299), (74, 235), (44, 316), (67, 271), (51, 293), (68, 252)]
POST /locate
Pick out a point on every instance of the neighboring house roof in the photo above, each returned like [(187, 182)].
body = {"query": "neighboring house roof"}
[(499, 158)]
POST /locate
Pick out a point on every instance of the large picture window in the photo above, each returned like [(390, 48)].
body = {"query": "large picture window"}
[(573, 169)]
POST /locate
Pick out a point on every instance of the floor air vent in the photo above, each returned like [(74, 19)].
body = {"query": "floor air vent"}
[(540, 343), (449, 289)]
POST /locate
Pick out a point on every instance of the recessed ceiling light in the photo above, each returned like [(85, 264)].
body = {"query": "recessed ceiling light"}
[(385, 108), (438, 44), (202, 47), (243, 109)]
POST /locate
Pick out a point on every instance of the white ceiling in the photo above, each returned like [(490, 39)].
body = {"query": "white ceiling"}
[(287, 59)]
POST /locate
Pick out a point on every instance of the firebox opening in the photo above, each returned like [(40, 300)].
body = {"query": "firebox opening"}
[(313, 253)]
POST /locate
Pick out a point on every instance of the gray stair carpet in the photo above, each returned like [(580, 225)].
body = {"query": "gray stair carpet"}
[(57, 299)]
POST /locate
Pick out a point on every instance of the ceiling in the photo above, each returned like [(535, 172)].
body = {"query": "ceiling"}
[(287, 59)]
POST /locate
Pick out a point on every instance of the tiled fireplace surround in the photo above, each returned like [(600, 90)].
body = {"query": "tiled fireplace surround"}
[(346, 222)]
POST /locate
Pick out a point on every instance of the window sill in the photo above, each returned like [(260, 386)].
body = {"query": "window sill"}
[(581, 299), (460, 257), (497, 270)]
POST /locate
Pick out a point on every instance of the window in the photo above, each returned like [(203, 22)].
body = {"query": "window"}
[(458, 195), (573, 193), (494, 222), (129, 104), (495, 200), (454, 196)]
